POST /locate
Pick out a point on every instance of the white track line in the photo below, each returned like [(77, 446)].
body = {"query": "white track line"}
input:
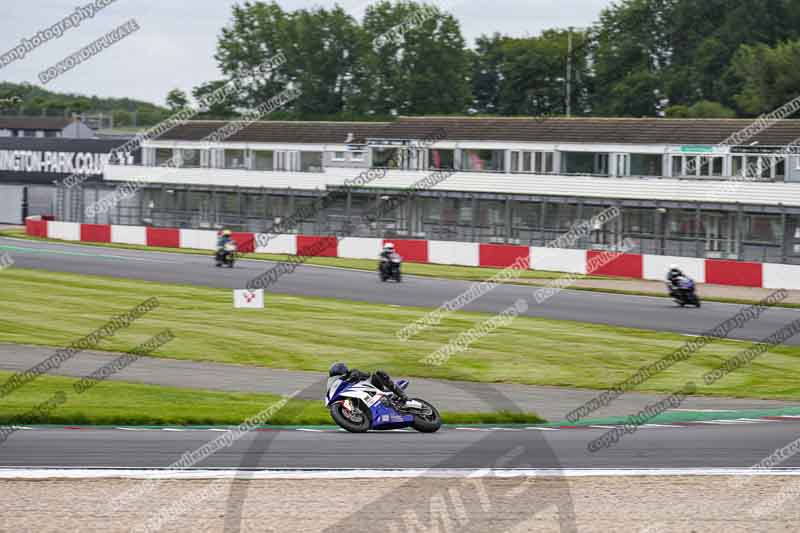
[(720, 422), (705, 410), (110, 473)]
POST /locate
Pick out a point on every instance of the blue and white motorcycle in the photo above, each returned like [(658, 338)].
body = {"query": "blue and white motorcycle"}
[(359, 407), (684, 292)]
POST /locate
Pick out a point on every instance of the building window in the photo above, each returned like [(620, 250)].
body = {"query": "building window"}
[(483, 160), (357, 156), (235, 159), (163, 156), (763, 229), (646, 164), (716, 166), (190, 158), (753, 166), (441, 159), (263, 159), (338, 156), (579, 162), (780, 169), (677, 165), (29, 133), (311, 161), (51, 133), (548, 162), (538, 162), (385, 157)]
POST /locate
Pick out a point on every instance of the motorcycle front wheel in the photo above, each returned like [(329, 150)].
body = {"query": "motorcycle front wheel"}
[(427, 423), (355, 420)]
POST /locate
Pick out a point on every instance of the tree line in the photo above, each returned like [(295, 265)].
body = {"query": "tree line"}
[(677, 58)]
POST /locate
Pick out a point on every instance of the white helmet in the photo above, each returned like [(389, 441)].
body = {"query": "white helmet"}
[(388, 246), (674, 266)]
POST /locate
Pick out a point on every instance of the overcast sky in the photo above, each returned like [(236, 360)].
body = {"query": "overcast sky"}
[(175, 44)]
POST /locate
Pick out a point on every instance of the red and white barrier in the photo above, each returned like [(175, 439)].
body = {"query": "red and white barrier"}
[(653, 267), (453, 253), (129, 235), (656, 266)]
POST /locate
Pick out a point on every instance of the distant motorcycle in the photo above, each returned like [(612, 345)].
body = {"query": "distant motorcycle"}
[(389, 268), (359, 407), (227, 255), (683, 291)]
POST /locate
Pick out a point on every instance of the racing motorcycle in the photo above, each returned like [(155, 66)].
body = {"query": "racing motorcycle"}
[(359, 407), (682, 290), (227, 255), (389, 268)]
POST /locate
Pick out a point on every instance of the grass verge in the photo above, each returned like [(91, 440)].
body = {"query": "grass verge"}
[(303, 333), (119, 403)]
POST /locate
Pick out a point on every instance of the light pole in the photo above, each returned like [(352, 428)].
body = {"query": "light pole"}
[(569, 68)]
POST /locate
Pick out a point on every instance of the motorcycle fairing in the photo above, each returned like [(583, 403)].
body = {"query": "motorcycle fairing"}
[(383, 416)]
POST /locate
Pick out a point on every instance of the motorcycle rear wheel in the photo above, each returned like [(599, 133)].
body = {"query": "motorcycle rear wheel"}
[(427, 424), (348, 423)]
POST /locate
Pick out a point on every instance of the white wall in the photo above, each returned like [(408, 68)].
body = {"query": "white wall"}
[(558, 260), (198, 238), (454, 253), (277, 244), (360, 248), (10, 204), (129, 235), (781, 276), (66, 231), (657, 266)]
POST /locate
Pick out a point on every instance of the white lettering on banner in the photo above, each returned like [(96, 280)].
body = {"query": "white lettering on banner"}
[(58, 162)]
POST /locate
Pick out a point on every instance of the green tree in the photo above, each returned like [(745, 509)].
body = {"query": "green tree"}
[(631, 52), (769, 77), (533, 74), (414, 61), (177, 100), (487, 73), (220, 110), (320, 47)]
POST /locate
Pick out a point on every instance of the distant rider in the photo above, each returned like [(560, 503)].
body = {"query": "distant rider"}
[(674, 273), (223, 238), (388, 250), (379, 379)]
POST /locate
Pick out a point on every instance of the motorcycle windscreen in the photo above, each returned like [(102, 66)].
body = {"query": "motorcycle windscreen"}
[(335, 386)]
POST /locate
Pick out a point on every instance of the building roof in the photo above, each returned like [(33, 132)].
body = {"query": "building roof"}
[(645, 131), (596, 130), (34, 123), (275, 131)]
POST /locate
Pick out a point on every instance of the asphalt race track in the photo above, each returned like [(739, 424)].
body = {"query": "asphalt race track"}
[(710, 446), (659, 314), (702, 445)]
